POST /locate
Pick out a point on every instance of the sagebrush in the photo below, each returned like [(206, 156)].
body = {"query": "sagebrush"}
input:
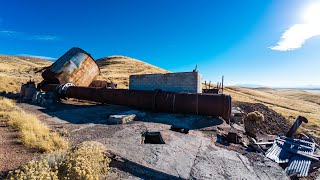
[(86, 161)]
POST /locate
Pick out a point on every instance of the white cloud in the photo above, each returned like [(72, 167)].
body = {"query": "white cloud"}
[(40, 57), (296, 36), (45, 38), (8, 33), (25, 36)]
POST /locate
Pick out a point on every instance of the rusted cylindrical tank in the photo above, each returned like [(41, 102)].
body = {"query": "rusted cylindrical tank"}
[(75, 66), (189, 103)]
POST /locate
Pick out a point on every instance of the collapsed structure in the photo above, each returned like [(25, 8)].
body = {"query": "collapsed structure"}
[(74, 76), (72, 73)]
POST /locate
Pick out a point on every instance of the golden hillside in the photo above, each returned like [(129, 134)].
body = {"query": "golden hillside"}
[(15, 70), (118, 69), (289, 103)]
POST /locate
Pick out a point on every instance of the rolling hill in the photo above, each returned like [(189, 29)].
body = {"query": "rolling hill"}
[(118, 69), (15, 70), (289, 103)]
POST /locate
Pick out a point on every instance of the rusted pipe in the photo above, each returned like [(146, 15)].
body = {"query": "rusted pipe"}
[(296, 125), (189, 103)]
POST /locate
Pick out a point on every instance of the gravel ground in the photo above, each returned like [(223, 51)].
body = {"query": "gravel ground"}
[(12, 153)]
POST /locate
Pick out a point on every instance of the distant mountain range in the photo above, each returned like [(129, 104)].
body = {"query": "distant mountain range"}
[(310, 87)]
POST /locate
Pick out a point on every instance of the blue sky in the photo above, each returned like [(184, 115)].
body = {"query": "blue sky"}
[(272, 43)]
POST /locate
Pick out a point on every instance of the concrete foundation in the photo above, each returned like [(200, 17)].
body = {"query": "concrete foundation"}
[(172, 82)]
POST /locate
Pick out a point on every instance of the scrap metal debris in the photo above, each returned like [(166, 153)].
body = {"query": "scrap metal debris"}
[(297, 154)]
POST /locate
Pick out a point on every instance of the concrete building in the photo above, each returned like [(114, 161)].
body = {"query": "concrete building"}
[(172, 82)]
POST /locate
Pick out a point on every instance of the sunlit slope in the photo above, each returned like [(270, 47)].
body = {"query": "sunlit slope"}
[(15, 70), (289, 103), (118, 69)]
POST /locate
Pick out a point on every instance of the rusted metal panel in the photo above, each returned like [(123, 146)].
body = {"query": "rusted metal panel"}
[(189, 103), (103, 84), (75, 66), (210, 91)]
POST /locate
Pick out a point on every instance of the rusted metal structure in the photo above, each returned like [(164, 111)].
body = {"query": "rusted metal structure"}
[(75, 66), (103, 84), (27, 91), (189, 103), (211, 91), (296, 125)]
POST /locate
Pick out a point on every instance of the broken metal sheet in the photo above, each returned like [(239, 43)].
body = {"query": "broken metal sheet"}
[(296, 152), (277, 153), (300, 164)]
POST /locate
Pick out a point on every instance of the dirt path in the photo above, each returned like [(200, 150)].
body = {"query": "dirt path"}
[(12, 153)]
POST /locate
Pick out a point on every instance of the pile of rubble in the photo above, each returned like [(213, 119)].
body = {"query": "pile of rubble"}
[(297, 153)]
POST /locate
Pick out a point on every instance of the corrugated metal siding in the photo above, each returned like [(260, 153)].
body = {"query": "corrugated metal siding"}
[(278, 153), (296, 163), (300, 164)]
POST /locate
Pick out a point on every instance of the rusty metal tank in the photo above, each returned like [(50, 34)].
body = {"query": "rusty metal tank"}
[(75, 66)]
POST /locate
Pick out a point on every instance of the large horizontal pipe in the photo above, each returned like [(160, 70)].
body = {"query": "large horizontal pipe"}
[(188, 103)]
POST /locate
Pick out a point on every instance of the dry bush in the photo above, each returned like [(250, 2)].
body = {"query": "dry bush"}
[(7, 104), (31, 131), (85, 161), (35, 170), (251, 123), (255, 116)]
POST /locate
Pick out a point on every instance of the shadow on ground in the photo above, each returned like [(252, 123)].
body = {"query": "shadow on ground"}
[(83, 112)]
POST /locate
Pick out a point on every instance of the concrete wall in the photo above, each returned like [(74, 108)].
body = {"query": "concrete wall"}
[(173, 82)]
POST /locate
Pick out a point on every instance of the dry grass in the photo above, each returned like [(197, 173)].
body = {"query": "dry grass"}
[(118, 69), (32, 133), (17, 70), (289, 103), (87, 160)]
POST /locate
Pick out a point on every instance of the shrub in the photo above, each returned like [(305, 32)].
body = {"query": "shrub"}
[(255, 116), (86, 161), (35, 170)]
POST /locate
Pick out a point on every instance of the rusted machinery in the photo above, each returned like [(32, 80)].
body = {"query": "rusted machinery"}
[(75, 66), (189, 103), (72, 73), (103, 84)]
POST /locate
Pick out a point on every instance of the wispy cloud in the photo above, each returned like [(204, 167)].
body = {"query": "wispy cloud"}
[(296, 36), (8, 33), (40, 57), (26, 36), (45, 38)]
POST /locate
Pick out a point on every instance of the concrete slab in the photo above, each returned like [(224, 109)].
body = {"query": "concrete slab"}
[(183, 156)]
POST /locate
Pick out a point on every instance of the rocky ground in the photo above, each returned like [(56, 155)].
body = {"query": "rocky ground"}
[(193, 155)]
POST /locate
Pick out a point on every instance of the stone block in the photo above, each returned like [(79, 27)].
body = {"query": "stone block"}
[(121, 119)]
